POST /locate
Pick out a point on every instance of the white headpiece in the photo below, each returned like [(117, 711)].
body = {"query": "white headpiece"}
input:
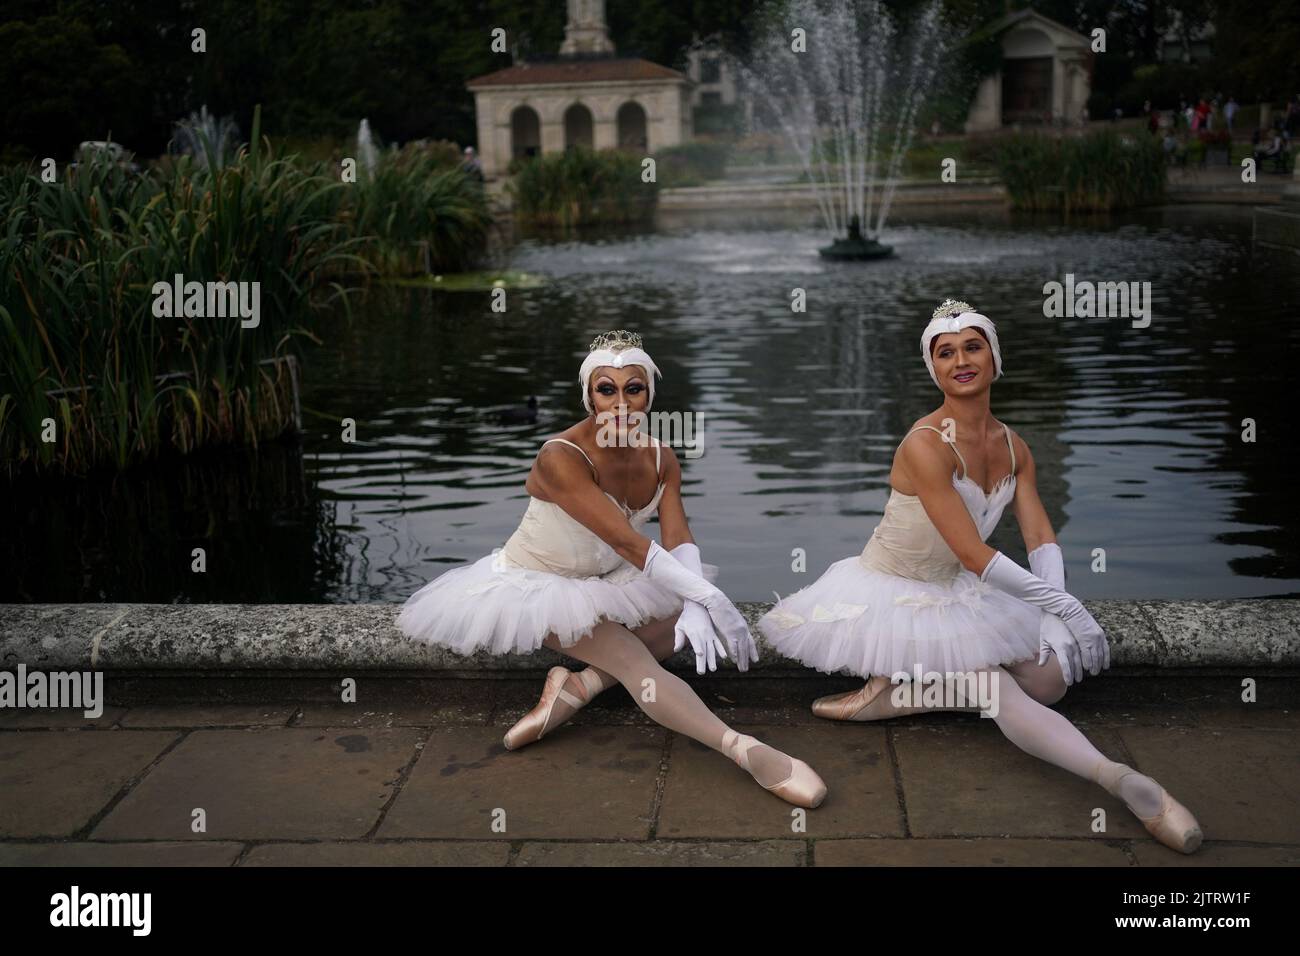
[(618, 349), (953, 316)]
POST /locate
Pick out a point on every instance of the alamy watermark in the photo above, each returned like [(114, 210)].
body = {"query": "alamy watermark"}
[(75, 689), (684, 430), (210, 300), (1100, 299), (947, 690)]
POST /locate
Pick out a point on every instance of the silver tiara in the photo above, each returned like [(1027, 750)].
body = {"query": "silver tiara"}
[(951, 307), (616, 341)]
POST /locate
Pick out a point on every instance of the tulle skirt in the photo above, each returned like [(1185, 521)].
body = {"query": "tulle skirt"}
[(496, 606), (859, 621)]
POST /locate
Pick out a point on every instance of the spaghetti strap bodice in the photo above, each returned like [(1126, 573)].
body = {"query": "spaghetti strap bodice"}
[(550, 539), (907, 544)]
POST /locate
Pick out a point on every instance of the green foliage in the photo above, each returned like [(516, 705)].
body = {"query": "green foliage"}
[(691, 164), (1099, 171), (582, 187), (79, 259), (78, 262), (421, 209)]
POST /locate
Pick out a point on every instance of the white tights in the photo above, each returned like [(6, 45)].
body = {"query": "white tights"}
[(617, 655)]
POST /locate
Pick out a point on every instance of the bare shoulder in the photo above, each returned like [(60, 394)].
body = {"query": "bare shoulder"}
[(1024, 457), (669, 466)]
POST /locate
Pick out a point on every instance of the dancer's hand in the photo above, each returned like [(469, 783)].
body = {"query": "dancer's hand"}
[(665, 570), (746, 651), (694, 624), (1053, 635), (1047, 562), (1005, 574)]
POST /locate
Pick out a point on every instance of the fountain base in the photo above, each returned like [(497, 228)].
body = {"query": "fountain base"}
[(855, 249), (855, 246)]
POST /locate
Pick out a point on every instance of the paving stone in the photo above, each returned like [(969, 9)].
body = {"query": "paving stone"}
[(209, 715), (707, 796), (962, 777), (583, 783), (960, 852), (53, 782), (665, 853), (1239, 784), (161, 853), (261, 784), (58, 718), (381, 853)]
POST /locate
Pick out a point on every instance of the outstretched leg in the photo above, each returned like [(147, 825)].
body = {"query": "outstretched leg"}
[(566, 692), (670, 702), (1045, 734)]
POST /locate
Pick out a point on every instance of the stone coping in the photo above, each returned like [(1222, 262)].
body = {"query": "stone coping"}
[(315, 637)]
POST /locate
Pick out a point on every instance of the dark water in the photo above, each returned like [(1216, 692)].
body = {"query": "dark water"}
[(1136, 432)]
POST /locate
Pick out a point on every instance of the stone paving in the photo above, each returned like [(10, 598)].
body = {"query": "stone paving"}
[(417, 775)]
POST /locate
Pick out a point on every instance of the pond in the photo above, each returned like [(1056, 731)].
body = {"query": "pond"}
[(1137, 432)]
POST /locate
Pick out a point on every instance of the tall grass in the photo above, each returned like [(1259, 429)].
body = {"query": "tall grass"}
[(583, 187), (90, 376), (422, 212), (1096, 172), (85, 360)]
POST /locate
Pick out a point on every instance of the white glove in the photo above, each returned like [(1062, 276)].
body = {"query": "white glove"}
[(666, 571), (1005, 574), (690, 622), (694, 624), (1047, 562)]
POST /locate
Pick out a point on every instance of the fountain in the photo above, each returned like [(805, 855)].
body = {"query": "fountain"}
[(204, 136), (366, 150), (846, 93)]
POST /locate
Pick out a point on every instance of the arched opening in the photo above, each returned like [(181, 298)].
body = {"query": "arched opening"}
[(525, 133), (577, 127), (632, 127)]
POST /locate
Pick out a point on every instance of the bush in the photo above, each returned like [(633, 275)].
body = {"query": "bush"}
[(1099, 171), (582, 187), (691, 164)]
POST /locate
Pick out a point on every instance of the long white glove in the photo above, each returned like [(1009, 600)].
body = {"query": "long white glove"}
[(694, 624), (695, 620), (665, 570), (1005, 574), (1047, 562)]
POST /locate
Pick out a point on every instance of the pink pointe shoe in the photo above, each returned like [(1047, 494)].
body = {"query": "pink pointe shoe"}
[(853, 704), (802, 787), (532, 726), (1174, 825)]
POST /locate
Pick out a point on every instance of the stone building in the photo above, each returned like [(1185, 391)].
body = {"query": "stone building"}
[(1046, 75), (587, 96)]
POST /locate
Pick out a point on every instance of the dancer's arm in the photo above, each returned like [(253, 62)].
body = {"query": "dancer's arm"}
[(673, 529), (563, 476), (1035, 526), (928, 465)]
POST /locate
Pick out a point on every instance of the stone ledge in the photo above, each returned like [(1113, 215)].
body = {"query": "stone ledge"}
[(322, 637)]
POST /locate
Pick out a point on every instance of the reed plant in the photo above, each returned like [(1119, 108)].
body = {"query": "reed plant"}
[(89, 375), (1099, 171), (582, 187)]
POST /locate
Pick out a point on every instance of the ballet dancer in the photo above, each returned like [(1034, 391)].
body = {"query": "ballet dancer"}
[(579, 576), (928, 595)]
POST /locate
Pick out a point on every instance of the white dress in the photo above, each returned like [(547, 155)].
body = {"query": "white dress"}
[(554, 575), (906, 602)]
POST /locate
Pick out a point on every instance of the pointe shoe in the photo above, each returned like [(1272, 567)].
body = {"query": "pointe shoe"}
[(532, 726), (849, 705), (803, 787), (1174, 825)]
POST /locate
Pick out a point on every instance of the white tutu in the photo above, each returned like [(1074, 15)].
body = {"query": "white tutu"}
[(497, 606), (856, 620)]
